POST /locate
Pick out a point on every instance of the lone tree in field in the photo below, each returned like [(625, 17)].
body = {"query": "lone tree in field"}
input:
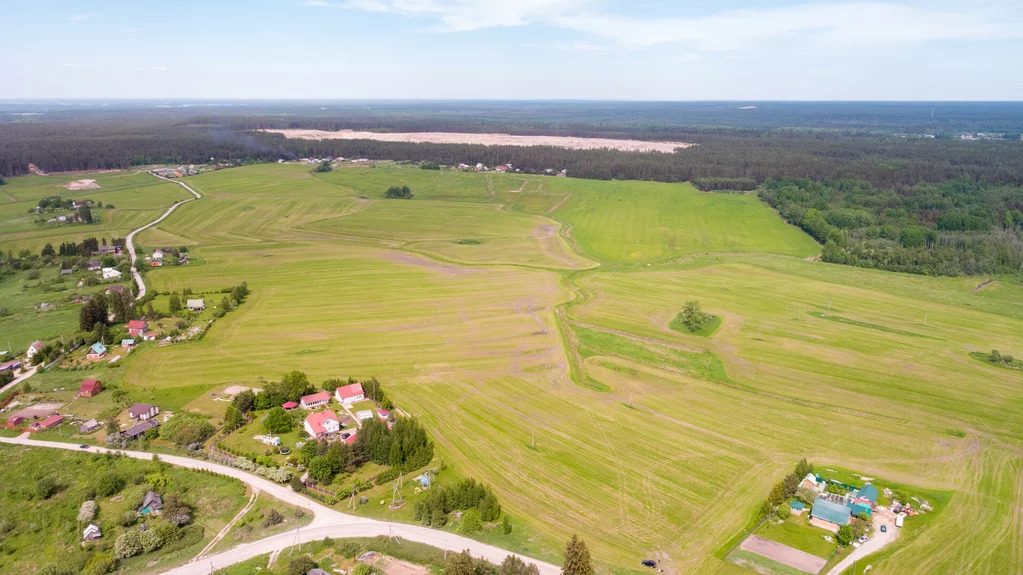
[(694, 317), (324, 167), (402, 192), (577, 558), (175, 303)]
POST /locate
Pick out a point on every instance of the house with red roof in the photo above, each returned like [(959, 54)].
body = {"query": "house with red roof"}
[(90, 388), (350, 438), (48, 423), (315, 400), (136, 327), (322, 423), (383, 414), (289, 405), (350, 393)]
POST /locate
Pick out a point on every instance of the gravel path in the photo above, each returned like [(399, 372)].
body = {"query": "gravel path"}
[(129, 243)]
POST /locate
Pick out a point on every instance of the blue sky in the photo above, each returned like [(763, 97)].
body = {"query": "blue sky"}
[(514, 49)]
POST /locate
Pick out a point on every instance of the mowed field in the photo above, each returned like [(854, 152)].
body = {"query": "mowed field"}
[(138, 198), (648, 442)]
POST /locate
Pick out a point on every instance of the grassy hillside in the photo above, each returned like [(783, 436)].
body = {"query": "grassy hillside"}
[(648, 441)]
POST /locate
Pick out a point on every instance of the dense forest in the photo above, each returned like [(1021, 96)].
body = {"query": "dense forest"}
[(951, 228)]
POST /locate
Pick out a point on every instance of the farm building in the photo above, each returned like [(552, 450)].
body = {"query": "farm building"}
[(89, 426), (33, 349), (196, 304), (136, 327), (90, 388), (829, 515), (10, 365), (97, 351), (289, 405), (48, 423), (322, 423), (811, 482), (140, 428), (153, 503), (143, 411), (350, 393), (14, 421), (315, 400), (92, 533), (110, 274), (868, 492)]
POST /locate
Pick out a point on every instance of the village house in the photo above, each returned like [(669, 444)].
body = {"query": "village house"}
[(128, 344), (384, 414), (10, 365), (90, 388), (153, 503), (811, 482), (115, 289), (136, 327), (157, 254), (110, 274), (66, 272), (94, 266), (797, 507), (92, 533), (348, 394), (108, 250), (315, 400), (48, 423), (140, 428), (143, 411), (829, 515), (149, 336), (89, 426), (97, 351), (33, 349), (322, 423), (156, 263), (196, 304)]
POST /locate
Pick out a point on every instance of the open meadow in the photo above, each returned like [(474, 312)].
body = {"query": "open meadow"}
[(526, 322)]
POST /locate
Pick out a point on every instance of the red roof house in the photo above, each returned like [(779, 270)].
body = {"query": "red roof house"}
[(90, 387), (350, 393), (315, 400), (289, 405), (48, 423), (322, 423), (136, 327)]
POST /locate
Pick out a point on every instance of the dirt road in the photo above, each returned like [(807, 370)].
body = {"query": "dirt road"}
[(876, 542), (129, 243), (326, 522)]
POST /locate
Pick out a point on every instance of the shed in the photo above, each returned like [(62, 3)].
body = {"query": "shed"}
[(797, 507), (196, 304), (153, 503), (89, 426), (140, 428), (90, 387), (828, 512), (868, 492), (92, 532)]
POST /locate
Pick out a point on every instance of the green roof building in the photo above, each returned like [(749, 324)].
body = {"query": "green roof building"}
[(832, 512), (868, 492)]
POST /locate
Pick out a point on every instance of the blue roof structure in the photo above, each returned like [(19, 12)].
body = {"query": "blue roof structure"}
[(857, 508), (797, 505), (98, 347), (828, 511), (869, 492)]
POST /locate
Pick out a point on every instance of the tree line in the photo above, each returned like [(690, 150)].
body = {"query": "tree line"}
[(956, 227)]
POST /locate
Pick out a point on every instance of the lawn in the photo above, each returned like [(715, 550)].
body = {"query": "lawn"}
[(797, 532), (44, 531), (568, 391)]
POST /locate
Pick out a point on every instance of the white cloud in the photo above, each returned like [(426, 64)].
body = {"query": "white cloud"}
[(837, 25)]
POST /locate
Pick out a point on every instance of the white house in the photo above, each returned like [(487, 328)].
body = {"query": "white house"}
[(315, 400), (110, 274), (196, 304), (157, 254), (348, 394), (322, 423), (33, 349)]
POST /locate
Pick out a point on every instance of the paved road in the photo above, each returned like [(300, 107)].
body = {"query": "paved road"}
[(25, 375), (876, 542), (129, 240), (326, 521)]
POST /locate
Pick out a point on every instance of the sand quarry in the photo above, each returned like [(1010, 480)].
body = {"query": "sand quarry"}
[(82, 185), (487, 140)]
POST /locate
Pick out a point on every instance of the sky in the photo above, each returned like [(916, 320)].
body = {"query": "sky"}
[(513, 49)]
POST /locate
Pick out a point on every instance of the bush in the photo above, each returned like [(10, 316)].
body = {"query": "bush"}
[(128, 544), (46, 487), (300, 565), (844, 535), (471, 522), (272, 518), (109, 484), (87, 512), (150, 540)]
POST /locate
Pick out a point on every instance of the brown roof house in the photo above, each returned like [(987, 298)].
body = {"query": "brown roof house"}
[(143, 411)]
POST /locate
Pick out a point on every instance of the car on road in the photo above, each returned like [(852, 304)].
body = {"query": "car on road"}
[(83, 446), (649, 563), (863, 539), (884, 529)]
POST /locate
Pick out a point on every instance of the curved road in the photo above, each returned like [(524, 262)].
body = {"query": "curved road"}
[(326, 521), (129, 243)]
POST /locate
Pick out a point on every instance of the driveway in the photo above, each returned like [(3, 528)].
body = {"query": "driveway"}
[(326, 521), (24, 375), (876, 542)]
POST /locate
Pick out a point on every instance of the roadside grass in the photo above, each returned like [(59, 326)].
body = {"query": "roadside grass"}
[(252, 526), (44, 531)]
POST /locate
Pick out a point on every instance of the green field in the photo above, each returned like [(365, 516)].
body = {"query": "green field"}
[(796, 532), (648, 441)]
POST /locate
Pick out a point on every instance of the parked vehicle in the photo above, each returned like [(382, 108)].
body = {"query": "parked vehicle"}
[(83, 446), (884, 529)]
